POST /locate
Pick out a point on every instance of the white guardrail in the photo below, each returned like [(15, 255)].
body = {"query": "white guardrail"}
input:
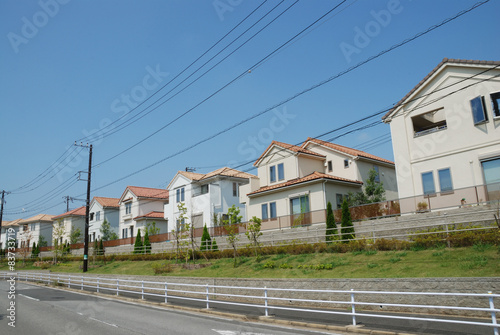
[(207, 293)]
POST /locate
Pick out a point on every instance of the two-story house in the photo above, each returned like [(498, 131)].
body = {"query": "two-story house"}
[(205, 196), (446, 135), (71, 220), (140, 205), (297, 182), (103, 209), (5, 235), (31, 229)]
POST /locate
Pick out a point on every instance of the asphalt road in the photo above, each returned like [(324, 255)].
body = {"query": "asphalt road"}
[(42, 310)]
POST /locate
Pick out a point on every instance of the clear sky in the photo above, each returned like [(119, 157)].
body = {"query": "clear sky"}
[(70, 68)]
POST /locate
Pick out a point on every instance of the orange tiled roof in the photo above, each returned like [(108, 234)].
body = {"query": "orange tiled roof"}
[(153, 214), (287, 146), (80, 211), (39, 217), (146, 192), (349, 151), (108, 202), (313, 176), (12, 223), (430, 74)]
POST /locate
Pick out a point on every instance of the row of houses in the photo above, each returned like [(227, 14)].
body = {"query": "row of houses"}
[(446, 139)]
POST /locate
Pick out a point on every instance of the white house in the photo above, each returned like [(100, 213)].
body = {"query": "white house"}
[(103, 209), (446, 135), (297, 182), (137, 205), (4, 235), (31, 229), (72, 219), (205, 195)]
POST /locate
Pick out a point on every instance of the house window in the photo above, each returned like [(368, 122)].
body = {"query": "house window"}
[(377, 176), (98, 216), (235, 189), (124, 232), (131, 231), (445, 183), (180, 224), (128, 208), (346, 163), (495, 103), (300, 204), (281, 171), (478, 111), (428, 183), (25, 227), (91, 216), (429, 122), (272, 174), (204, 189), (330, 166), (340, 200), (272, 209), (179, 194), (265, 214)]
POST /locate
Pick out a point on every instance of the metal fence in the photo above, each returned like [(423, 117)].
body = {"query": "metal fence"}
[(266, 298)]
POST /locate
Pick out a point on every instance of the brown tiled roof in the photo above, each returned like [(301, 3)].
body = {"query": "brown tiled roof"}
[(108, 202), (430, 74), (287, 146), (80, 211), (154, 215), (349, 151), (146, 192), (12, 223), (39, 217), (313, 176), (225, 171)]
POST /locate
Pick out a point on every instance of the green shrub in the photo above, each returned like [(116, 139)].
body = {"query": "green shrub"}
[(162, 267)]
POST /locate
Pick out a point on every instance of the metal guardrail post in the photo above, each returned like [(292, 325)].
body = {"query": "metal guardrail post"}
[(97, 284), (48, 282), (493, 314), (82, 284), (142, 290), (69, 281), (208, 303), (265, 301), (117, 286), (166, 294), (353, 308)]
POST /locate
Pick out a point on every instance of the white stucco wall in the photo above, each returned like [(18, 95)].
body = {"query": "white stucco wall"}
[(460, 147)]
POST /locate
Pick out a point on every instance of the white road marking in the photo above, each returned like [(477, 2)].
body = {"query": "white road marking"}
[(22, 295), (231, 332), (109, 324)]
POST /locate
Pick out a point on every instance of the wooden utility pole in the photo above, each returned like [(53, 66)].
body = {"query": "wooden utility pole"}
[(87, 214)]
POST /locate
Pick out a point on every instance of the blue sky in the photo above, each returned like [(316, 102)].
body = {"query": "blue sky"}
[(69, 68)]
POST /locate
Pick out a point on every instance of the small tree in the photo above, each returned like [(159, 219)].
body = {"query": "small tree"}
[(58, 231), (232, 228), (138, 243), (147, 244), (373, 191), (206, 241), (253, 233), (101, 248), (214, 245), (34, 252), (151, 228), (75, 235), (347, 227), (107, 233), (331, 227), (181, 232), (41, 241)]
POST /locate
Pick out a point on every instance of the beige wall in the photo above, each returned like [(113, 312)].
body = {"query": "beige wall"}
[(275, 157)]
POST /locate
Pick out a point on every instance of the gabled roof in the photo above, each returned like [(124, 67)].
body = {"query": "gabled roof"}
[(346, 150), (146, 192), (313, 176), (38, 218), (153, 215), (12, 223), (225, 172), (108, 202), (286, 146), (80, 211), (438, 68)]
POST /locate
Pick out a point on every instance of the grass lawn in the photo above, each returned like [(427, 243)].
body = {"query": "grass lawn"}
[(477, 261)]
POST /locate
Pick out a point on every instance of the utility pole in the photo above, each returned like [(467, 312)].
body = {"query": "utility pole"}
[(67, 199), (1, 209), (87, 210)]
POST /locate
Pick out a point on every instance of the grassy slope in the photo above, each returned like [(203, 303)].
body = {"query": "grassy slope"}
[(477, 261)]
